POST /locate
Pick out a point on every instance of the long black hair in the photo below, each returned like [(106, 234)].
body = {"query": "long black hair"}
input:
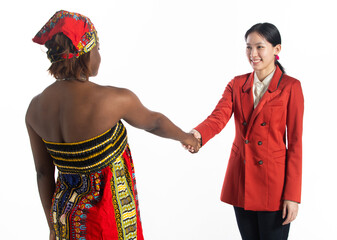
[(270, 33)]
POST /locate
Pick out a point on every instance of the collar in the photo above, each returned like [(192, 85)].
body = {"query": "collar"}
[(274, 81), (266, 80)]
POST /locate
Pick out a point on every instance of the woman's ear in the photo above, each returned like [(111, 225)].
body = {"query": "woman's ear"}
[(277, 49)]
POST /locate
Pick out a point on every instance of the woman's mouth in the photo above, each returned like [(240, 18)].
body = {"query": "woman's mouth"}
[(256, 61)]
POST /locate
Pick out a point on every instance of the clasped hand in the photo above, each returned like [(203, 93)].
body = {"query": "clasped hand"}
[(192, 143)]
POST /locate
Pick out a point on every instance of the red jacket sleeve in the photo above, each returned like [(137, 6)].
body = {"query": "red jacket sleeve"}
[(293, 181), (215, 122)]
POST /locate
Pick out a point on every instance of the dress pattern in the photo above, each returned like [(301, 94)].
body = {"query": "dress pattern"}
[(96, 196)]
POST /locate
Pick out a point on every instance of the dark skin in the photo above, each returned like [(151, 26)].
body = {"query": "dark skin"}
[(75, 110)]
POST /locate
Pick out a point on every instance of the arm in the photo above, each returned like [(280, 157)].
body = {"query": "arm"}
[(218, 118), (154, 122), (44, 169), (293, 180)]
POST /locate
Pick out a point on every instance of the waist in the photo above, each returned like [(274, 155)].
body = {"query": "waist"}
[(91, 155), (92, 163)]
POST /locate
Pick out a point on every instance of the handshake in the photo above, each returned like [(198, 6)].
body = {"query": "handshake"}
[(193, 142)]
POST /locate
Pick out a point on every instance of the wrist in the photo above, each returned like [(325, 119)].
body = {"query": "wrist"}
[(195, 133), (290, 201), (184, 136)]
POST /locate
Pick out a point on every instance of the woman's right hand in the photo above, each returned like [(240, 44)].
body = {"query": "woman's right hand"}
[(191, 143)]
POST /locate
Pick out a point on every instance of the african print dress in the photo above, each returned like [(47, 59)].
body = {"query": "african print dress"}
[(95, 195)]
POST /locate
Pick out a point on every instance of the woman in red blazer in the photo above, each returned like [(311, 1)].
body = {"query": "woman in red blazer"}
[(263, 178)]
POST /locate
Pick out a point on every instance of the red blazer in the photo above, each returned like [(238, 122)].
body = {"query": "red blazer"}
[(265, 164)]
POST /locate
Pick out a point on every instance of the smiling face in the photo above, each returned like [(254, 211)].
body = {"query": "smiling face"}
[(261, 54)]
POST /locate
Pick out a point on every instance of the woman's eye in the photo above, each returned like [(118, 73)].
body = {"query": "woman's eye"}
[(249, 47)]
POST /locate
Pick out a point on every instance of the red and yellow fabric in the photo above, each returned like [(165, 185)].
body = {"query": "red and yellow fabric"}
[(96, 196), (78, 28)]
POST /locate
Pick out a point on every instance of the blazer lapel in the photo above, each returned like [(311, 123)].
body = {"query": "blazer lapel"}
[(247, 100), (269, 95)]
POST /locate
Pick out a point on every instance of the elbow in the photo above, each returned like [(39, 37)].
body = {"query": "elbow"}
[(43, 174), (40, 176), (44, 178)]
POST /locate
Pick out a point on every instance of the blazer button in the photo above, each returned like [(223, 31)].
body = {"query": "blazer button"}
[(246, 141), (259, 142), (260, 162), (263, 124), (244, 123)]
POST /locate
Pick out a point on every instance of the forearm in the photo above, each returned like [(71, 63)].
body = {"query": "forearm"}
[(163, 127), (293, 181), (46, 186), (215, 122), (218, 119)]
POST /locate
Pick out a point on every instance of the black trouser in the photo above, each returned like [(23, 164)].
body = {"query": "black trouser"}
[(261, 225)]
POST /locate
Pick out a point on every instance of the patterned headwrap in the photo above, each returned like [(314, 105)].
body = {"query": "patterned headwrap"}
[(78, 28)]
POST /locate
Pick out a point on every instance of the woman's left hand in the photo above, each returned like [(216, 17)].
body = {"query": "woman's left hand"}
[(290, 210)]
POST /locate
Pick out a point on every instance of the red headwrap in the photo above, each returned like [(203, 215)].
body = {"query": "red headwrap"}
[(78, 28)]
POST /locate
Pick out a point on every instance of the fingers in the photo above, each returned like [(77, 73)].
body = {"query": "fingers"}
[(191, 143), (197, 136), (198, 145), (290, 217), (190, 148), (290, 210), (284, 211), (288, 220)]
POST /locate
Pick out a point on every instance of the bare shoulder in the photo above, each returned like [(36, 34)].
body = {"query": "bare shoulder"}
[(32, 108), (122, 92), (120, 95), (117, 102)]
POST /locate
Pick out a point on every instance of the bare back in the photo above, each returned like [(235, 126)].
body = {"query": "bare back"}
[(72, 111)]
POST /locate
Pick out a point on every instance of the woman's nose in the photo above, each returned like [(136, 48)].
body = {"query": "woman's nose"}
[(253, 52)]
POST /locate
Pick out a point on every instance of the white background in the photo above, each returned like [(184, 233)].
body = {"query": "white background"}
[(177, 56)]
